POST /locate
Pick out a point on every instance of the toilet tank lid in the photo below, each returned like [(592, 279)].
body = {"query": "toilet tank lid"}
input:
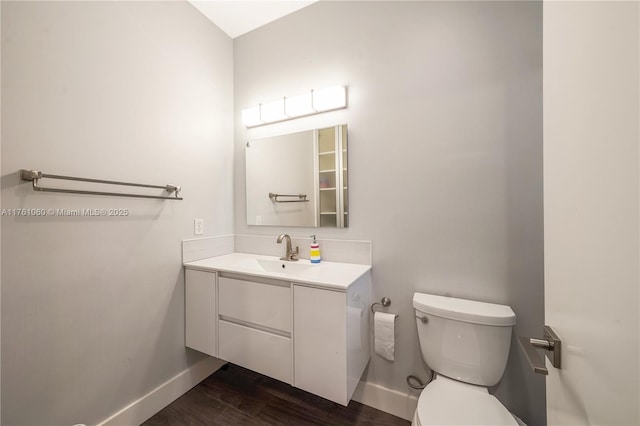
[(464, 310)]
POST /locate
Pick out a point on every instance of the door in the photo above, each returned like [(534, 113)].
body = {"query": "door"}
[(591, 214)]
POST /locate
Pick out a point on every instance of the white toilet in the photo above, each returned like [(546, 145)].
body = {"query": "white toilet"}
[(466, 343)]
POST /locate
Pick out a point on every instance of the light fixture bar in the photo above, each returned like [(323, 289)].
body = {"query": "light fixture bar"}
[(288, 108)]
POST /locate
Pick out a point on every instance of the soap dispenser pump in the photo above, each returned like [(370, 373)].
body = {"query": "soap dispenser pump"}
[(314, 251)]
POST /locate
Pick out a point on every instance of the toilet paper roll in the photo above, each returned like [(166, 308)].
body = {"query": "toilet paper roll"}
[(384, 329)]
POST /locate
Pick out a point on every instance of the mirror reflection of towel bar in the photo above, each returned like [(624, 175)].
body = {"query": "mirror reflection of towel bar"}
[(301, 198)]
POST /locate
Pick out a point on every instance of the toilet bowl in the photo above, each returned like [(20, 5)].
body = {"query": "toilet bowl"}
[(466, 343), (449, 402)]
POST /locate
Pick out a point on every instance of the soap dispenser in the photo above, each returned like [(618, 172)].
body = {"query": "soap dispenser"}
[(314, 251)]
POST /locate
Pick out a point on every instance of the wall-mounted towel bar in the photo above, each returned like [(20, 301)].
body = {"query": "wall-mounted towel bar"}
[(34, 176), (301, 198)]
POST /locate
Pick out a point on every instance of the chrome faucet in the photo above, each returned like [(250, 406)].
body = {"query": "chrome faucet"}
[(291, 255)]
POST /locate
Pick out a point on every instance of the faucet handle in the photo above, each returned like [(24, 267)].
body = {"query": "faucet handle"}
[(293, 254)]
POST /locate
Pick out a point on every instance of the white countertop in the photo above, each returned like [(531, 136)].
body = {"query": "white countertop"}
[(330, 275)]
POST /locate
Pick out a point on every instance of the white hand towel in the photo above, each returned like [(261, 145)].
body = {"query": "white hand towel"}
[(384, 326)]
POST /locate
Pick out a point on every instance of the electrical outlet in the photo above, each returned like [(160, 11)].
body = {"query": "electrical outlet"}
[(198, 226)]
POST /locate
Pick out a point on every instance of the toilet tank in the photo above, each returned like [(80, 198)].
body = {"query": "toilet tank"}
[(464, 339)]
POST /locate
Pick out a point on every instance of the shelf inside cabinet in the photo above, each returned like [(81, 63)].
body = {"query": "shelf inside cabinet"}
[(331, 158)]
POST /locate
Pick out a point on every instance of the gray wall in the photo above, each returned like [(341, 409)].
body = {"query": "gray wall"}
[(445, 153), (93, 308)]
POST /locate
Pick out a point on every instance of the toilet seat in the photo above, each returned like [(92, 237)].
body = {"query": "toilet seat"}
[(450, 402)]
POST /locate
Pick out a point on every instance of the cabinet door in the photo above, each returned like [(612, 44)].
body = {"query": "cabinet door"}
[(200, 311), (320, 338)]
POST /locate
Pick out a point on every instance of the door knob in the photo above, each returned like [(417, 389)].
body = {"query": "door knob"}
[(551, 345)]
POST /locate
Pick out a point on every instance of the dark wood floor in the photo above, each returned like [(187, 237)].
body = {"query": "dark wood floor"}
[(237, 396)]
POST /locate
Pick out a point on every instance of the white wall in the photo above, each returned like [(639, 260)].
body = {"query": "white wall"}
[(93, 308), (445, 153)]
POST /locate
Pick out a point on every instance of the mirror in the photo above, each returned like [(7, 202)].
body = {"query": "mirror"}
[(298, 179)]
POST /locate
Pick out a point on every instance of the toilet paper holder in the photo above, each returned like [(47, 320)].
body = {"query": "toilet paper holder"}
[(385, 301)]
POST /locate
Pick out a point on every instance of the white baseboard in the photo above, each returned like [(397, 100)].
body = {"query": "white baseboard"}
[(143, 408), (399, 404)]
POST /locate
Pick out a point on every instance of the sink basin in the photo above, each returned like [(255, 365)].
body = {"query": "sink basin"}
[(276, 266), (281, 266)]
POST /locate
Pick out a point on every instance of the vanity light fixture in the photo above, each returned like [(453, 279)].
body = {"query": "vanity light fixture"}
[(287, 108)]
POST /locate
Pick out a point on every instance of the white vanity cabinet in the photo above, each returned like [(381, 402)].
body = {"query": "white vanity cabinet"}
[(200, 312), (311, 331)]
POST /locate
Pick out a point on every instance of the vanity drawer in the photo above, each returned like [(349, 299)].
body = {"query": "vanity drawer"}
[(256, 350), (265, 303)]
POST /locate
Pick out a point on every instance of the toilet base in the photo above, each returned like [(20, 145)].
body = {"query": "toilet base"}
[(445, 401), (416, 422)]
